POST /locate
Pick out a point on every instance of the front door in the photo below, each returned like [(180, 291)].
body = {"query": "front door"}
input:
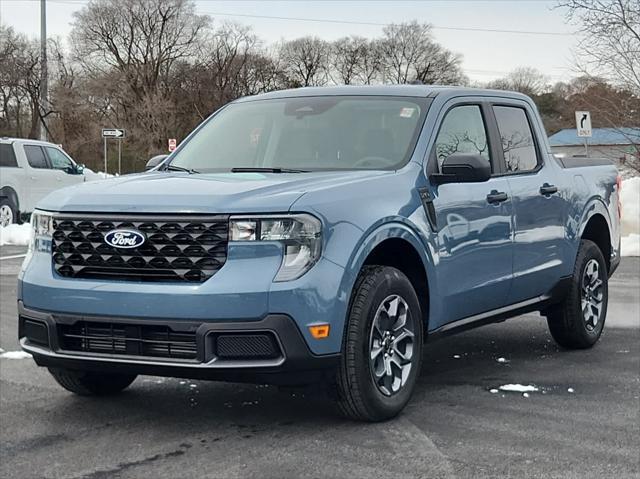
[(474, 224)]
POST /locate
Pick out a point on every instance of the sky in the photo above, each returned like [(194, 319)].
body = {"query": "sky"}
[(547, 45)]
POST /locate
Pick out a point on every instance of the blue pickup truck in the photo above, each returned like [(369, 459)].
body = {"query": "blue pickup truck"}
[(321, 235)]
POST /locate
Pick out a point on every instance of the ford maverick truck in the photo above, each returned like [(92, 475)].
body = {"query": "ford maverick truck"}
[(321, 235)]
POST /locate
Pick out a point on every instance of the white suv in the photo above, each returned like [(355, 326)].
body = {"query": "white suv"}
[(30, 170)]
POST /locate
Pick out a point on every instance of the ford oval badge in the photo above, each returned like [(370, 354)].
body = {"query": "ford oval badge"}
[(124, 238)]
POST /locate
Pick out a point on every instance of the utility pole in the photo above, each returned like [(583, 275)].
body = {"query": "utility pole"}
[(44, 87)]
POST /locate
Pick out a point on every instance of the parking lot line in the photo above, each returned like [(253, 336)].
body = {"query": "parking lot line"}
[(13, 256)]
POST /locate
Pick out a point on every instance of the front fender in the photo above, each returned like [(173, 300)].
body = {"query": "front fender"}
[(397, 229)]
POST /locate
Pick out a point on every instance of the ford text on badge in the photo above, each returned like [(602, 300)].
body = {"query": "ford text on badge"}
[(124, 238)]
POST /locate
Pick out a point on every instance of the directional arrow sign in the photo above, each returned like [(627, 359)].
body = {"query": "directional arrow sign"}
[(583, 123), (113, 133)]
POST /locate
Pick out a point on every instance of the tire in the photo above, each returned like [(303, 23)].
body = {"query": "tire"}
[(86, 383), (361, 393), (8, 212), (577, 323)]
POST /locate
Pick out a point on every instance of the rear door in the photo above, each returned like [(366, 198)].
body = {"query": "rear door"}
[(473, 219), (539, 205)]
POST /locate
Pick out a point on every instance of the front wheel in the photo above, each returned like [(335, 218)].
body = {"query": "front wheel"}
[(382, 347), (578, 321), (8, 212), (88, 383)]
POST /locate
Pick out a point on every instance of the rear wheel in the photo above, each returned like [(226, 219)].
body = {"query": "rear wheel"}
[(382, 347), (578, 321), (86, 383)]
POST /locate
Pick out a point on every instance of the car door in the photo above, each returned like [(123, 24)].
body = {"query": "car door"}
[(539, 206), (39, 177), (474, 221), (65, 170)]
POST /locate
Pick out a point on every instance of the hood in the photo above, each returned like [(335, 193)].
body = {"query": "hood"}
[(199, 193)]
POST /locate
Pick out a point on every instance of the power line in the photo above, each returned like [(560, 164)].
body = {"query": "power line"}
[(375, 24)]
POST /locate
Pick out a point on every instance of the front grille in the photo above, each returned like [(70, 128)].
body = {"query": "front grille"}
[(127, 339), (180, 248)]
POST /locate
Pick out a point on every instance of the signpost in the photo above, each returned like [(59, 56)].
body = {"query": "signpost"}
[(583, 127), (172, 144), (115, 134)]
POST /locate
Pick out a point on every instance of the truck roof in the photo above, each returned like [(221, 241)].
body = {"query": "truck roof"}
[(386, 90), (5, 139)]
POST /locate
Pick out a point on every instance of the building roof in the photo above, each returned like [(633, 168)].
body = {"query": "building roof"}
[(601, 136)]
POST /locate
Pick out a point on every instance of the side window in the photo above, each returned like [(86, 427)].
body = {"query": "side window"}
[(462, 131), (7, 156), (517, 139), (35, 156), (59, 160)]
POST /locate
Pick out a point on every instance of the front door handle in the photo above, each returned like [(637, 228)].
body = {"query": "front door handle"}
[(496, 197), (548, 190)]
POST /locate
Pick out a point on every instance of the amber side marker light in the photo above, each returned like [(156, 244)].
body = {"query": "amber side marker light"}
[(319, 331)]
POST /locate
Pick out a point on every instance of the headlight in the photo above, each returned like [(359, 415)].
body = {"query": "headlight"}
[(299, 234), (41, 232)]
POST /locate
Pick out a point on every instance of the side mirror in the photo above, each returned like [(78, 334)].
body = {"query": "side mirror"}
[(155, 161), (463, 168), (74, 169)]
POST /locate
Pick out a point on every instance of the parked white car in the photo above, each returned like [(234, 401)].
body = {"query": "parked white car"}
[(30, 170)]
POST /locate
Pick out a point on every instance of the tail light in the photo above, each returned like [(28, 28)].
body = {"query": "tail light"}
[(619, 189)]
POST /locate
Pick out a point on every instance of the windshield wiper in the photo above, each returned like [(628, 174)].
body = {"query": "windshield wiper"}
[(171, 167), (256, 169)]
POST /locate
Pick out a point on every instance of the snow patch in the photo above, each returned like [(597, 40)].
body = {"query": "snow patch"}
[(502, 360), (15, 234), (15, 355), (630, 199), (630, 224), (494, 391), (91, 175), (518, 388), (456, 356), (630, 245), (570, 390)]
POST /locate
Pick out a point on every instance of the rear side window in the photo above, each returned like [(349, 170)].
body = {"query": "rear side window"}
[(462, 131), (7, 156), (517, 139), (35, 156)]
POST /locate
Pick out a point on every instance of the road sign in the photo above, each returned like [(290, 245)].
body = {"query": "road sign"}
[(117, 133), (583, 123), (172, 144)]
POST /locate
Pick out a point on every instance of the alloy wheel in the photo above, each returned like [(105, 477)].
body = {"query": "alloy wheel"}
[(391, 345), (592, 294), (6, 215)]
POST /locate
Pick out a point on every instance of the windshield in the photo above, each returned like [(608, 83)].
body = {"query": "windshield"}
[(306, 133)]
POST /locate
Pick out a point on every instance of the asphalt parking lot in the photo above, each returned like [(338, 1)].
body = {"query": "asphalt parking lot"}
[(584, 422)]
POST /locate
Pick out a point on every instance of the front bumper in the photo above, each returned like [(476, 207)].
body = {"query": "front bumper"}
[(291, 363)]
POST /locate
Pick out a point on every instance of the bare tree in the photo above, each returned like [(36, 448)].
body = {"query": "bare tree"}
[(305, 61), (525, 80), (355, 60), (409, 53), (611, 45), (142, 39)]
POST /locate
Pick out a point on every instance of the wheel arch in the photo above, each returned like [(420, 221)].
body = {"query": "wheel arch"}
[(9, 192), (397, 245), (597, 229)]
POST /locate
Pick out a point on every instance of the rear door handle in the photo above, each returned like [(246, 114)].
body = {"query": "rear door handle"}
[(548, 190), (496, 197)]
